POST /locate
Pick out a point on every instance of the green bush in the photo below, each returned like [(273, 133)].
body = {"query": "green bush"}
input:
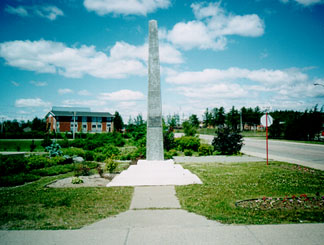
[(205, 150), (99, 157), (32, 146), (188, 142), (108, 151), (65, 142), (74, 151), (111, 165), (18, 179), (12, 164), (76, 180), (54, 170), (81, 170), (38, 161), (54, 149), (227, 142), (188, 152), (89, 156)]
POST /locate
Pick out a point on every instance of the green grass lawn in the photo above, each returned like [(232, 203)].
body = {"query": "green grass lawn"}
[(225, 184), (33, 206), (20, 145)]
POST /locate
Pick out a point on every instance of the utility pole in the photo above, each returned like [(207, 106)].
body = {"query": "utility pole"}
[(241, 122), (74, 125)]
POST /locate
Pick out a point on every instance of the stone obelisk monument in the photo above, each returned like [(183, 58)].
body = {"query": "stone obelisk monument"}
[(154, 136)]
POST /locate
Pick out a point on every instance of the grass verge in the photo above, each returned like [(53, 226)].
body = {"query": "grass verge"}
[(20, 145), (33, 206), (225, 184)]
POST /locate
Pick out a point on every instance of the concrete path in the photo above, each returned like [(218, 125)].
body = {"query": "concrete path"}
[(155, 218)]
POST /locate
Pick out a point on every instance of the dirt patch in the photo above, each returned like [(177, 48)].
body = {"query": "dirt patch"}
[(88, 181)]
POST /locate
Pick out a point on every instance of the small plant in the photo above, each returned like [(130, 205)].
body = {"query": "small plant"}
[(188, 152), (227, 142), (54, 149), (100, 171), (111, 165), (32, 146), (205, 150), (76, 180), (81, 170)]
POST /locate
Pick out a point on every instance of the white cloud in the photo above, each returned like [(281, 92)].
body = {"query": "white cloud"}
[(62, 91), (211, 27), (49, 12), (168, 53), (215, 91), (87, 103), (20, 10), (39, 84), (15, 83), (37, 102), (123, 95), (84, 92), (265, 76), (55, 57), (125, 7), (305, 2)]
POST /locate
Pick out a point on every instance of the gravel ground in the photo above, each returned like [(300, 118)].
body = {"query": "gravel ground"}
[(88, 181), (219, 159)]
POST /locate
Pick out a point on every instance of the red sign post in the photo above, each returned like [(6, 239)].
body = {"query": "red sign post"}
[(266, 120)]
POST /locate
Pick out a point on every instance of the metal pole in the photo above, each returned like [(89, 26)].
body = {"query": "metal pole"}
[(267, 137), (241, 122), (74, 126)]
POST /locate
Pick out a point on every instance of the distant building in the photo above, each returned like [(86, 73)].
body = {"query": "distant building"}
[(63, 119)]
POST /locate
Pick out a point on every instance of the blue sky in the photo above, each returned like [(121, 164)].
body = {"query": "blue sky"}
[(93, 53)]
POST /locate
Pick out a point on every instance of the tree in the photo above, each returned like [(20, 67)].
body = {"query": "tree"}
[(227, 142), (207, 118), (139, 120), (194, 121), (233, 119), (118, 122), (188, 129)]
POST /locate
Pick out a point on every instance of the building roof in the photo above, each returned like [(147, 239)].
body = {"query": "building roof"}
[(67, 113)]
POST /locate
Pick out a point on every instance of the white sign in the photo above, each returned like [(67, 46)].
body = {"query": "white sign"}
[(263, 120)]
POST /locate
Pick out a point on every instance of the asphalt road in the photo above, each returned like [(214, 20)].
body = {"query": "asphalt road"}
[(310, 155)]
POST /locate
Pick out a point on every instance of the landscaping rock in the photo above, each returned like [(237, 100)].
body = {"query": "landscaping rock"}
[(78, 159)]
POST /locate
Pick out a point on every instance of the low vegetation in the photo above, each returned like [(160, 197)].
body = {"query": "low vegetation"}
[(34, 206), (226, 184)]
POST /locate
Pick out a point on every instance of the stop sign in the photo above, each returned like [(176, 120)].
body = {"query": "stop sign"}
[(263, 120)]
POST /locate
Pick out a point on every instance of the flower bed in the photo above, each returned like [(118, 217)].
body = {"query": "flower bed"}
[(294, 202)]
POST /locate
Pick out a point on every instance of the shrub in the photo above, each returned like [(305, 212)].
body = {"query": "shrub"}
[(100, 171), (32, 146), (65, 142), (18, 179), (76, 180), (188, 152), (46, 141), (167, 155), (227, 142), (108, 151), (54, 149), (111, 165), (73, 151), (99, 157), (12, 164), (205, 150), (89, 156), (54, 170), (37, 162), (81, 170), (168, 140), (189, 129), (188, 142)]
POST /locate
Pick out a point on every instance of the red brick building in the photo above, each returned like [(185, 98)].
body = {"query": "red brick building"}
[(62, 119)]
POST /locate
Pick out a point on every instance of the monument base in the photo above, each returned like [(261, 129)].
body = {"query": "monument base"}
[(147, 173)]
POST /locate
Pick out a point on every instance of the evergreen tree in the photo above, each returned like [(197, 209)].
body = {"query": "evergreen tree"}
[(118, 122)]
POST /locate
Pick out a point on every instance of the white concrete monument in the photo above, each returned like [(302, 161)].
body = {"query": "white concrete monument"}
[(154, 136), (154, 170)]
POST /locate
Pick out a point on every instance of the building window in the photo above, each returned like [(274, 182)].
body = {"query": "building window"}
[(93, 126), (99, 125), (84, 126), (99, 119)]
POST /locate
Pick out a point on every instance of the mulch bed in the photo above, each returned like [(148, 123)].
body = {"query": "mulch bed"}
[(294, 202)]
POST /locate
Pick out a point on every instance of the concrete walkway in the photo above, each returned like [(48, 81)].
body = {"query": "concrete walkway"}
[(155, 217)]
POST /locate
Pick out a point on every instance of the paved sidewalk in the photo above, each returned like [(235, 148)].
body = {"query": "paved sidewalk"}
[(155, 218)]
